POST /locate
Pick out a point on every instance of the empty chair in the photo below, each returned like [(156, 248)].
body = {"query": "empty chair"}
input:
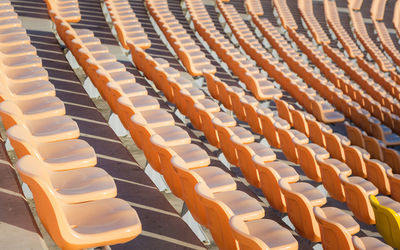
[(73, 186), (284, 110), (355, 135), (288, 139), (355, 159), (54, 128), (377, 173), (338, 234), (330, 171), (215, 178), (316, 135), (387, 219), (261, 234), (300, 199), (374, 147), (357, 191), (83, 225), (392, 158), (270, 173), (334, 145), (60, 155), (268, 127), (307, 154), (220, 207)]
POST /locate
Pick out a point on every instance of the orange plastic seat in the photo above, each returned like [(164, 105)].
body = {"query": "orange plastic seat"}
[(270, 173), (257, 234), (355, 135), (367, 243), (355, 159), (72, 186), (300, 199), (307, 155), (392, 158), (316, 132), (220, 207), (246, 153), (268, 127), (215, 178), (55, 128), (377, 173), (59, 155), (335, 235), (330, 171), (284, 110), (83, 225), (191, 155), (374, 147), (357, 191), (288, 139)]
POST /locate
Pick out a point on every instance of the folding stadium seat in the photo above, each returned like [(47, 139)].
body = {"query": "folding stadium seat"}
[(270, 173), (192, 157), (391, 157), (387, 139), (288, 140), (283, 110), (300, 199), (374, 147), (59, 155), (49, 129), (74, 186), (209, 106), (300, 121), (338, 234), (82, 225), (307, 155), (357, 191), (377, 173), (355, 135), (186, 99), (335, 143), (355, 159), (330, 170), (246, 153), (215, 178), (316, 132), (172, 135), (256, 234), (225, 133), (220, 207), (387, 219), (268, 120)]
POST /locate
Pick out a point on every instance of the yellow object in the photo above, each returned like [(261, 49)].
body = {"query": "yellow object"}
[(387, 222)]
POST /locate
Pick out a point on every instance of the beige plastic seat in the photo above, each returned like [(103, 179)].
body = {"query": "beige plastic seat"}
[(300, 199), (83, 225), (55, 128), (73, 186), (60, 155), (261, 234), (220, 207)]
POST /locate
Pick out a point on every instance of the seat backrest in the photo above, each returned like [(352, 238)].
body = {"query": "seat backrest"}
[(242, 235), (334, 235), (283, 110), (378, 175), (47, 205), (299, 121), (387, 222), (316, 135), (373, 147), (218, 215), (391, 156), (300, 212), (334, 146), (10, 114), (355, 135), (22, 141), (357, 201), (355, 161)]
